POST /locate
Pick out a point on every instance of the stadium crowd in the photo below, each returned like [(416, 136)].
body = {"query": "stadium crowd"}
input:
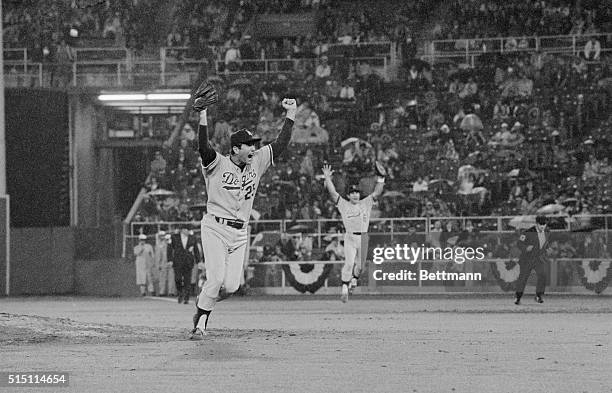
[(517, 18), (516, 133)]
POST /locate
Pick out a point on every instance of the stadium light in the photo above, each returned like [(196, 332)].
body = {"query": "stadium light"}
[(168, 96), (122, 97)]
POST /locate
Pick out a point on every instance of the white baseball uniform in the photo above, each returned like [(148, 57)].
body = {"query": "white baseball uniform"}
[(231, 192), (356, 219)]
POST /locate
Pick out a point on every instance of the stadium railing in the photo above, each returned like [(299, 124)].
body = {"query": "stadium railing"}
[(319, 228), (117, 66), (467, 49), (272, 276), (147, 73), (23, 74), (358, 49), (272, 66)]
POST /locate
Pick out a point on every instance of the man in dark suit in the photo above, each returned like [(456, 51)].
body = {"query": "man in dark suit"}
[(533, 243), (183, 253)]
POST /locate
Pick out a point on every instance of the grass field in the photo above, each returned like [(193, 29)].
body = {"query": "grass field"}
[(315, 344)]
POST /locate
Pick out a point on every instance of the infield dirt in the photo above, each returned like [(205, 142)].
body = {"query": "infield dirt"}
[(315, 344)]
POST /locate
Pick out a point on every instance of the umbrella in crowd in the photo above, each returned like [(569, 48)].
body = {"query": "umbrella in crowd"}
[(522, 173), (471, 122), (569, 201), (299, 228), (352, 140), (439, 184), (522, 222), (553, 208), (394, 194), (160, 192)]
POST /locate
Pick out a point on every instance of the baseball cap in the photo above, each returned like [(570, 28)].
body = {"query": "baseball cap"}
[(541, 220), (353, 189), (243, 136)]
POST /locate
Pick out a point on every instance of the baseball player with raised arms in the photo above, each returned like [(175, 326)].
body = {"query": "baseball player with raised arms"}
[(231, 184), (355, 215)]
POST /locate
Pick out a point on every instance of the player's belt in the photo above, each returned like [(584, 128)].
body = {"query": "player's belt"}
[(358, 233), (238, 224)]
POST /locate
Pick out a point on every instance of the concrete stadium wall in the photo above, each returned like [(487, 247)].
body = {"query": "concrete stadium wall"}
[(42, 261), (106, 277), (83, 129)]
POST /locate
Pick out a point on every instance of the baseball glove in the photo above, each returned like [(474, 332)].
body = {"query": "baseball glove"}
[(380, 169), (205, 96)]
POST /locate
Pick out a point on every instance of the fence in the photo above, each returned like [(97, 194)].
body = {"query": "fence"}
[(566, 272), (146, 74), (467, 50), (320, 228)]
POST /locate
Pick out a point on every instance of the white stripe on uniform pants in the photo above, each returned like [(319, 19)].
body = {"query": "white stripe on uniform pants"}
[(224, 251)]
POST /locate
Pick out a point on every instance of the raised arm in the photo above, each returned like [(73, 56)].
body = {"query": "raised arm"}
[(282, 140), (327, 172), (205, 96), (381, 172), (380, 184), (207, 153)]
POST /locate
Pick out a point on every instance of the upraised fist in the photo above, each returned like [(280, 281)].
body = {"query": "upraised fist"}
[(289, 103)]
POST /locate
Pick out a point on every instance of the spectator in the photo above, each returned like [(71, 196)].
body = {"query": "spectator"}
[(165, 271), (307, 165), (429, 210), (158, 165), (323, 70), (347, 92), (232, 57), (145, 264), (592, 49), (286, 246), (335, 248), (420, 185)]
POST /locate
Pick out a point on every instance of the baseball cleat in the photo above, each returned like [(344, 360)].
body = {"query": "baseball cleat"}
[(353, 285), (197, 334), (517, 300), (539, 299), (345, 294)]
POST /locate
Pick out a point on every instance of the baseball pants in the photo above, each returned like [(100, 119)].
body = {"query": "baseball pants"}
[(224, 251), (352, 257), (182, 280), (167, 286), (526, 267), (144, 276)]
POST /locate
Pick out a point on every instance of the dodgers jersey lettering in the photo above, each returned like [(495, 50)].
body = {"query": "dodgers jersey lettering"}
[(230, 190), (356, 217)]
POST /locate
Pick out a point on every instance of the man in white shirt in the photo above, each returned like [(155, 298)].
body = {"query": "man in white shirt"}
[(592, 49), (323, 70)]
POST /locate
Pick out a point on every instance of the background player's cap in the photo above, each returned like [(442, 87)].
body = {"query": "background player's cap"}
[(243, 136), (353, 189)]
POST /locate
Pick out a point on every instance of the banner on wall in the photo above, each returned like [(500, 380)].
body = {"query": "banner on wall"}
[(472, 259)]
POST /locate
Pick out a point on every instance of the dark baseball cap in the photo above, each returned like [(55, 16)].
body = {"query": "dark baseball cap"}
[(243, 136), (353, 189)]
